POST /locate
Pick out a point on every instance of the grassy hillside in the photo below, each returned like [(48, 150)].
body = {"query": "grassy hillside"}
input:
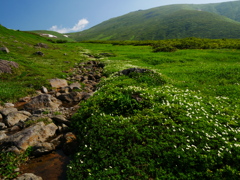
[(165, 22), (180, 120), (58, 35), (34, 70)]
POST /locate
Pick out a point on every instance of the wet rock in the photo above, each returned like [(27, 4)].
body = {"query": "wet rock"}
[(31, 136), (57, 142), (43, 148), (42, 101), (57, 83), (70, 145), (7, 66), (4, 49), (14, 117), (28, 176)]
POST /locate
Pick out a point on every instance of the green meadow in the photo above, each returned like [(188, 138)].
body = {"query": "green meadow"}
[(178, 121)]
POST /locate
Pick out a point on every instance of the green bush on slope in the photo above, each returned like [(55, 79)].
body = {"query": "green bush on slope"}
[(141, 130)]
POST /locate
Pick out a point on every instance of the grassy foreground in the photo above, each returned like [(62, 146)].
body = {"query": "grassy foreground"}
[(179, 122)]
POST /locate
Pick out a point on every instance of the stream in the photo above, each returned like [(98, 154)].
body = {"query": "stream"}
[(51, 166)]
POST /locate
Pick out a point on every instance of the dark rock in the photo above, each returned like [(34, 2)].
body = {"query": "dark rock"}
[(2, 126), (70, 143), (2, 135), (61, 119), (41, 45), (71, 97), (4, 49), (7, 66), (43, 148), (39, 53), (135, 70)]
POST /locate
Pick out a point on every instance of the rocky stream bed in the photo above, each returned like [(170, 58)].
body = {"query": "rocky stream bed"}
[(43, 122)]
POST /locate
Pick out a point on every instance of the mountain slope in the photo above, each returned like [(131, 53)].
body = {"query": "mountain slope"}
[(166, 22)]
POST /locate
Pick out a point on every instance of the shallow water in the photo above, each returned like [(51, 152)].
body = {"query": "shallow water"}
[(52, 166)]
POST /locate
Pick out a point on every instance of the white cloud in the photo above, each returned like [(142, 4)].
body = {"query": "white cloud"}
[(77, 27)]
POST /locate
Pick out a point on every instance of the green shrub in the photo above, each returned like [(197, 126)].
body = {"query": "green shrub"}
[(161, 132), (164, 48), (9, 162)]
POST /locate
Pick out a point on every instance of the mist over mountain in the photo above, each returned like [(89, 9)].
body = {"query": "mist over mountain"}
[(216, 20)]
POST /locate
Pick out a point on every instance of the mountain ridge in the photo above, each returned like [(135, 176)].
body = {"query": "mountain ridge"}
[(219, 20)]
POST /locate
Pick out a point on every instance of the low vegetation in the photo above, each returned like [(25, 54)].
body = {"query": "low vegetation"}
[(179, 120)]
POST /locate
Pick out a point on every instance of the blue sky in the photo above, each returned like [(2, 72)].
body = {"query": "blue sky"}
[(73, 15)]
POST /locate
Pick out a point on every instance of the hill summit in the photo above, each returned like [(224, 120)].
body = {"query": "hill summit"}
[(217, 20)]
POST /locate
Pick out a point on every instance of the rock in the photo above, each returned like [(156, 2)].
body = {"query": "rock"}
[(75, 85), (4, 49), (41, 45), (31, 136), (131, 70), (7, 66), (61, 119), (1, 117), (2, 135), (64, 90), (43, 148), (39, 53), (70, 145), (6, 111), (44, 89), (8, 105), (70, 97), (2, 126), (42, 101), (14, 117), (57, 141), (57, 83), (28, 176)]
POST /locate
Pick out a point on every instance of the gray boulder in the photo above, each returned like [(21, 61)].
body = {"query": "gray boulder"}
[(14, 117), (31, 136), (57, 83), (42, 101), (7, 66), (28, 176), (6, 111)]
